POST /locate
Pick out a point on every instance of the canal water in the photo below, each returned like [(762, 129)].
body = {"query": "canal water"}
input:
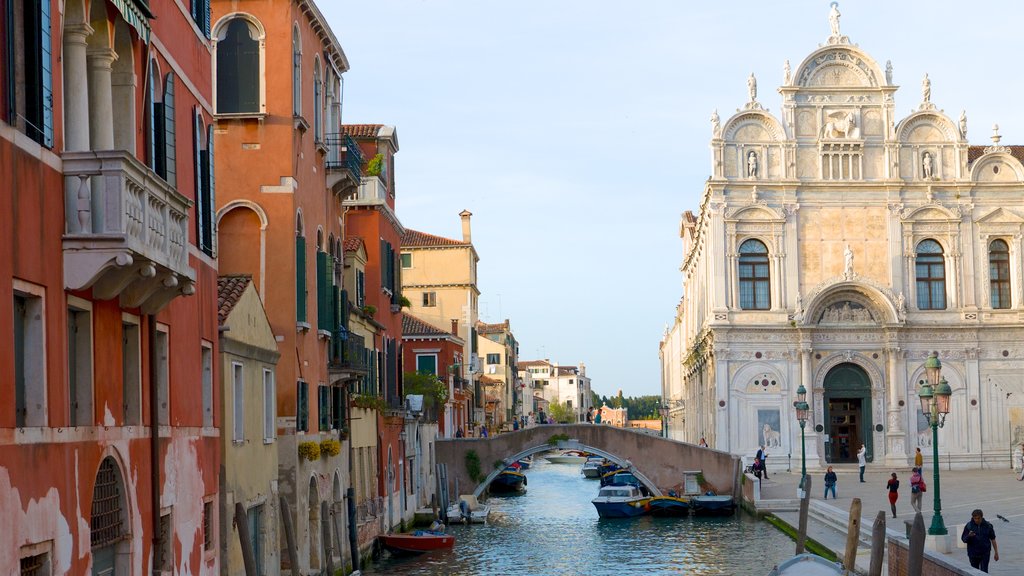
[(553, 528)]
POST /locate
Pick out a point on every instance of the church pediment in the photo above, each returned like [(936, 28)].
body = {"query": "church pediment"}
[(1000, 216), (839, 66), (931, 212)]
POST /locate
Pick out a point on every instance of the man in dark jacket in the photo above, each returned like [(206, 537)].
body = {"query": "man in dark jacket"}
[(980, 536)]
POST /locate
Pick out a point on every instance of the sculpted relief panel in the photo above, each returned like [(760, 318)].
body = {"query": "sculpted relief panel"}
[(806, 124), (872, 123)]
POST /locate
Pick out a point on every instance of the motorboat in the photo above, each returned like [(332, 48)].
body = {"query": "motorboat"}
[(508, 480), (567, 457), (807, 565), (669, 506), (417, 542), (620, 502), (592, 467), (468, 510), (713, 505), (525, 463), (622, 477)]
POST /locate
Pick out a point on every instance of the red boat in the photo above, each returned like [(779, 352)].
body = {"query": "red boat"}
[(417, 542)]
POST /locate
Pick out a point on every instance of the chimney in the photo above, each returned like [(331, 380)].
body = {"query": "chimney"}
[(583, 369), (455, 326), (467, 236)]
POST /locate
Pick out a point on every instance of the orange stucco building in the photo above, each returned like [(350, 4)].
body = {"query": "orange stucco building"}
[(108, 435)]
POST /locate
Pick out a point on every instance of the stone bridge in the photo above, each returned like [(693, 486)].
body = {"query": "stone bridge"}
[(657, 462)]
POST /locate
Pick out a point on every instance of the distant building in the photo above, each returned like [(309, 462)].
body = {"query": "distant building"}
[(614, 416), (430, 350), (499, 351), (567, 385), (838, 245)]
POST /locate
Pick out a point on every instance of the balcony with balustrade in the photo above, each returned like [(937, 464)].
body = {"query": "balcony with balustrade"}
[(126, 231), (344, 163)]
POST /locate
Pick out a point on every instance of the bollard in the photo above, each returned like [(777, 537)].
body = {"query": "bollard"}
[(877, 545)]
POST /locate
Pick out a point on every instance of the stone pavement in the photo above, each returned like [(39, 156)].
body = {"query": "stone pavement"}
[(994, 491)]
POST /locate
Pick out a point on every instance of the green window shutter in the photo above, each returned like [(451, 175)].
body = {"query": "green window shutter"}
[(210, 209), (302, 412), (46, 71), (343, 309), (170, 155), (197, 163), (426, 364), (337, 407), (323, 319), (300, 278), (324, 408)]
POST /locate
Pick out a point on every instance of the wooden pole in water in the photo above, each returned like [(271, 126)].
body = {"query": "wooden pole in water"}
[(325, 529), (289, 535), (877, 544), (915, 561), (805, 501), (852, 536), (242, 525)]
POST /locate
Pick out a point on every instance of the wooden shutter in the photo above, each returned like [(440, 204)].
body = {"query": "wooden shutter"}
[(302, 411), (300, 278), (197, 163), (46, 70), (210, 209), (323, 407), (323, 318), (170, 156)]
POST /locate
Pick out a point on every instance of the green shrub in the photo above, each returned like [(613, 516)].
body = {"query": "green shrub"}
[(473, 466)]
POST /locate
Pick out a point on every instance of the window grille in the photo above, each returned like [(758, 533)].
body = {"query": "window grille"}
[(106, 525)]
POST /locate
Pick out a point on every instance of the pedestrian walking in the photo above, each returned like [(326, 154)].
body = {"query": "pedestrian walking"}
[(483, 431), (893, 485), (830, 483), (762, 456), (917, 488), (980, 537), (862, 460), (597, 416), (515, 424), (459, 433), (918, 459), (590, 415), (703, 442)]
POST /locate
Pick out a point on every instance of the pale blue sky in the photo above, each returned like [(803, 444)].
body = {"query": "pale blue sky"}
[(577, 132)]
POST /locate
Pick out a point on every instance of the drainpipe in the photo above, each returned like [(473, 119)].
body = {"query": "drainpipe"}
[(154, 439)]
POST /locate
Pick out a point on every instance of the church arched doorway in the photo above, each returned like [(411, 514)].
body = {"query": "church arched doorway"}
[(847, 405)]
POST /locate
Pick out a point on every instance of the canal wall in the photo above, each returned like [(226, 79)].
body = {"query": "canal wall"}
[(661, 460)]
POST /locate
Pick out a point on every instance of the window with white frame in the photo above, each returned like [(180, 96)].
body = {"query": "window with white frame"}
[(163, 375), (131, 370), (429, 299), (238, 66), (426, 363), (29, 355), (238, 402), (269, 406), (206, 360)]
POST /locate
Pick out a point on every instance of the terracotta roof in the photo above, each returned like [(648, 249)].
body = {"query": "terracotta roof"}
[(413, 326), (414, 238), (352, 244), (492, 328), (492, 399), (362, 130), (523, 363), (229, 292), (566, 370), (489, 380), (975, 152)]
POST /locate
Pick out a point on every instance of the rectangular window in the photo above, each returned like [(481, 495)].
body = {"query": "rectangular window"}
[(494, 358), (302, 407), (426, 363), (300, 279), (131, 371), (360, 288), (406, 260), (324, 408), (429, 299), (269, 407), (208, 525), (238, 401), (80, 362), (29, 355), (25, 74), (337, 408), (35, 560), (206, 353), (162, 376)]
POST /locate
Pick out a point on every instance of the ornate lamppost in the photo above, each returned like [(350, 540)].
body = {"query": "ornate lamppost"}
[(663, 411), (802, 408), (934, 394)]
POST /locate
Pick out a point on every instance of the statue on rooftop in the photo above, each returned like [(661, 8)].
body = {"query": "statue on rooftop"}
[(833, 19)]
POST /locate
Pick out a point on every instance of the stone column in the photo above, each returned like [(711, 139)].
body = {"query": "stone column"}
[(895, 435), (815, 417), (101, 106), (123, 94), (76, 87)]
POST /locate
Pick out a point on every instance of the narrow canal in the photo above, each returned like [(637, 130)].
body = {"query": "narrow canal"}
[(553, 529)]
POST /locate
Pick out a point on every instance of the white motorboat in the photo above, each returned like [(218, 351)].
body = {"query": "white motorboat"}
[(621, 502), (468, 511), (567, 457)]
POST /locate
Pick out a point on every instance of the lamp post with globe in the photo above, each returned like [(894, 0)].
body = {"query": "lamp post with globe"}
[(934, 394)]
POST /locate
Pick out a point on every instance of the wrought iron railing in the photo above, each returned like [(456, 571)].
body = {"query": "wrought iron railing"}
[(343, 154), (350, 354)]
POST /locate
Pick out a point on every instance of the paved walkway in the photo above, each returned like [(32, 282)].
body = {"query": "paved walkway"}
[(996, 492)]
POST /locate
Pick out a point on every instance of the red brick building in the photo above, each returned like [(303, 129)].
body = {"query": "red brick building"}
[(431, 350)]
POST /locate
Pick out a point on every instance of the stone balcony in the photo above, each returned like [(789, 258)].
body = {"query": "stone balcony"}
[(372, 191), (126, 231)]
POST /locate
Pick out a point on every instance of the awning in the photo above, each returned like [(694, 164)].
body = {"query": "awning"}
[(135, 16)]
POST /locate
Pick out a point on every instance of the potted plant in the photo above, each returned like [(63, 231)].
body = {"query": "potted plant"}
[(309, 450)]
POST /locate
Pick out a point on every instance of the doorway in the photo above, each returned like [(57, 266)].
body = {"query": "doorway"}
[(847, 406)]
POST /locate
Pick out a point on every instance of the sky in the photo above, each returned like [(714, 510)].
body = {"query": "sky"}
[(577, 132)]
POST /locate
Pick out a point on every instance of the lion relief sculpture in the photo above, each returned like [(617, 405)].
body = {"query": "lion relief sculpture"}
[(841, 125)]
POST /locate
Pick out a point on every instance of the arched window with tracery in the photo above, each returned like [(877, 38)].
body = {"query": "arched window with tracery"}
[(755, 290), (930, 267), (999, 273)]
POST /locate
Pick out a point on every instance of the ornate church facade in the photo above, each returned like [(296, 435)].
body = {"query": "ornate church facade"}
[(838, 245)]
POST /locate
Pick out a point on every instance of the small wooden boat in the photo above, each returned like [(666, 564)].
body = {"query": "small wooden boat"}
[(807, 565), (620, 502), (468, 510), (669, 506), (509, 480), (417, 542), (712, 505), (567, 457)]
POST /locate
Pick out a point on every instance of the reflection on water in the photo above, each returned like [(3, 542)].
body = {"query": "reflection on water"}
[(554, 529)]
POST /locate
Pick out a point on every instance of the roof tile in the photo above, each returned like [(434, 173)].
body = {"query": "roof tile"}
[(413, 326), (415, 238), (229, 292), (362, 130)]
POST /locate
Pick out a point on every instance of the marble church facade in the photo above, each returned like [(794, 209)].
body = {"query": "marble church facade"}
[(837, 245)]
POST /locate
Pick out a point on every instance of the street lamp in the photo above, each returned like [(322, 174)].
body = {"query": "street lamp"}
[(802, 407), (934, 395), (663, 410)]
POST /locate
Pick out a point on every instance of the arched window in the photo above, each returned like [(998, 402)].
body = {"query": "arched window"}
[(931, 276), (296, 73), (108, 527), (999, 273), (755, 292), (317, 103), (238, 67)]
